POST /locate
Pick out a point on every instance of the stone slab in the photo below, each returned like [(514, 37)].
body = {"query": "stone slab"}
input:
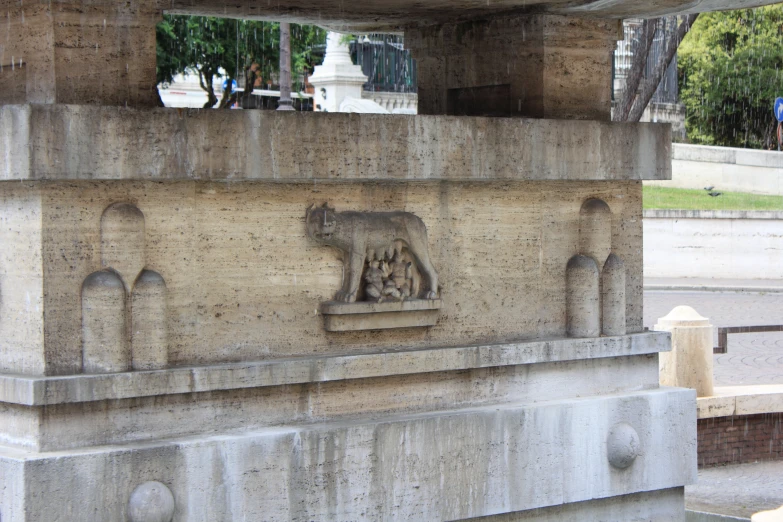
[(244, 282), (741, 400), (380, 321), (231, 411), (348, 317), (40, 391), (435, 466), (72, 142)]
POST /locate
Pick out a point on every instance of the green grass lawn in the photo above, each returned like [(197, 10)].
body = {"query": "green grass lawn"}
[(687, 199)]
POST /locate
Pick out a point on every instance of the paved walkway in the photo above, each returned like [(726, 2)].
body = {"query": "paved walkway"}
[(752, 358), (744, 489), (739, 491)]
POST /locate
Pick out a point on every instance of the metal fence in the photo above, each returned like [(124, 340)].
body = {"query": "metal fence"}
[(383, 59)]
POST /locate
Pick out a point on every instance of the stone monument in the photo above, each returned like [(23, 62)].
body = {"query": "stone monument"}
[(457, 334)]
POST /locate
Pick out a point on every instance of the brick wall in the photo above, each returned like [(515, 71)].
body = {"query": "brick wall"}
[(734, 440)]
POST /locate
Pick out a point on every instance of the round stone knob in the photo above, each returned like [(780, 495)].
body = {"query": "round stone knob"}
[(151, 502), (622, 445)]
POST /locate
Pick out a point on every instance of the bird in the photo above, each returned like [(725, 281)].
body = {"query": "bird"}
[(709, 188), (715, 194)]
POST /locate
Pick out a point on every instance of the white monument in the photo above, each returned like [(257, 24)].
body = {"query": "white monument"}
[(338, 82)]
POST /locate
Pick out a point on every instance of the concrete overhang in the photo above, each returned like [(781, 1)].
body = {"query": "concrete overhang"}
[(396, 15)]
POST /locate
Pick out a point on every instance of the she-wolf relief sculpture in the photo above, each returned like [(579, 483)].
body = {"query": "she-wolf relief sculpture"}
[(386, 264), (375, 244)]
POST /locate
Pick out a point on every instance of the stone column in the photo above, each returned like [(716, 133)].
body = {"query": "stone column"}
[(689, 364), (337, 78), (79, 54), (539, 66)]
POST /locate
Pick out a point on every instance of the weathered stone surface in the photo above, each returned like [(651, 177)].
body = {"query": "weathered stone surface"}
[(104, 336), (623, 445), (83, 142), (537, 66), (690, 362), (21, 279), (613, 296), (728, 401), (244, 282), (40, 391), (151, 502), (76, 425), (84, 53), (401, 467), (583, 298)]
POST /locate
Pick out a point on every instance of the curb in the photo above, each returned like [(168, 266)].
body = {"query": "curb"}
[(701, 516), (706, 288)]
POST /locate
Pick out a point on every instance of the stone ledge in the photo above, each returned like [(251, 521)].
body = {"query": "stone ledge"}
[(80, 142), (351, 317), (40, 391), (741, 400)]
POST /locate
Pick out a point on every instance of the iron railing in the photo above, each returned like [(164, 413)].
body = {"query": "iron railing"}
[(723, 334), (384, 60)]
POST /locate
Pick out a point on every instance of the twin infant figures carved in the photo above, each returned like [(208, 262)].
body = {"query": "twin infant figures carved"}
[(385, 254)]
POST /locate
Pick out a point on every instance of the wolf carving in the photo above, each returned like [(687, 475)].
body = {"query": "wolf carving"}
[(366, 236)]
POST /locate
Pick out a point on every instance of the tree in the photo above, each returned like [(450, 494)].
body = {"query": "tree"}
[(225, 48), (285, 68), (730, 75), (640, 88)]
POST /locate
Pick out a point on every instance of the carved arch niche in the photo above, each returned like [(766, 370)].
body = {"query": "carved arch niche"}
[(595, 277), (124, 304)]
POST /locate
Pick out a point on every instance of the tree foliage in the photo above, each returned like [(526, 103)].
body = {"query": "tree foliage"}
[(730, 74), (225, 48)]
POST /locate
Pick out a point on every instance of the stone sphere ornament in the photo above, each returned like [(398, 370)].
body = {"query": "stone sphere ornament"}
[(151, 502), (622, 445)]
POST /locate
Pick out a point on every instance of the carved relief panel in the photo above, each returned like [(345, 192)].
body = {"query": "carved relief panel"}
[(388, 278), (124, 304)]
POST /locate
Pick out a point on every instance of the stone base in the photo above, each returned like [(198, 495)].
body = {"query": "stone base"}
[(346, 317), (453, 465)]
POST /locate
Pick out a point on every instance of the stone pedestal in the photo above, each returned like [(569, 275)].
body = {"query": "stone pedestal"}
[(689, 364), (540, 66), (332, 316)]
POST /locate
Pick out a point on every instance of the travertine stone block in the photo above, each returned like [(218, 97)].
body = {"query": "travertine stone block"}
[(70, 142), (144, 418), (613, 296), (583, 303), (21, 279), (539, 66), (689, 364), (45, 391), (104, 337), (149, 339), (383, 467), (101, 53), (595, 230), (244, 282), (122, 241)]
